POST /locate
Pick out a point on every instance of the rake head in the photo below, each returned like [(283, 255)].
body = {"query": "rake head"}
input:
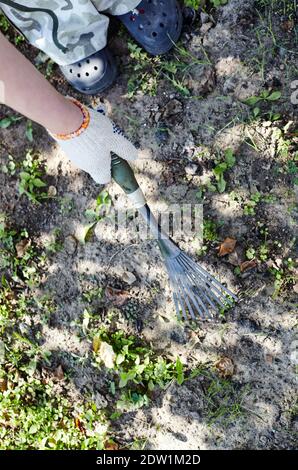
[(195, 291)]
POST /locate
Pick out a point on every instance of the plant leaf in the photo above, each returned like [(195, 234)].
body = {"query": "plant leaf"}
[(252, 100), (179, 370), (221, 184), (274, 96), (38, 183), (96, 343)]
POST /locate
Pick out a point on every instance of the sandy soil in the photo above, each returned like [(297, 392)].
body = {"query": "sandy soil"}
[(259, 334)]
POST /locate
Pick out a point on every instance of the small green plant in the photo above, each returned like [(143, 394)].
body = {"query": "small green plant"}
[(265, 96), (250, 206), (292, 168), (29, 131), (210, 230), (224, 400), (30, 179), (263, 252), (284, 276), (136, 370), (136, 363), (10, 167), (66, 205), (195, 4), (102, 207), (18, 255), (250, 253), (4, 23), (55, 244), (210, 234), (222, 165), (146, 71), (218, 3), (8, 121)]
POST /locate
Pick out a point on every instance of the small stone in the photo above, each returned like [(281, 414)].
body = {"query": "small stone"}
[(225, 367), (128, 277), (52, 191), (70, 245), (191, 169), (205, 28)]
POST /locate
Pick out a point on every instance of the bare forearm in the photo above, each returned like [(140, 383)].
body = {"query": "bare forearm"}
[(25, 90)]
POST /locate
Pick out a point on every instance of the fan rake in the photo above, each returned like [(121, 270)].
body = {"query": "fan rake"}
[(195, 291)]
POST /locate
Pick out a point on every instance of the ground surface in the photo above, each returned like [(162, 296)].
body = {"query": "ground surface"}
[(244, 394)]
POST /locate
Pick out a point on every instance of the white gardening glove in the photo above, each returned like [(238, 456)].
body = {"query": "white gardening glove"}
[(90, 148)]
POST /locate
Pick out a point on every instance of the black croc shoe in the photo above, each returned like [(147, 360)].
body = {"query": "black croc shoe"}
[(155, 24), (93, 74)]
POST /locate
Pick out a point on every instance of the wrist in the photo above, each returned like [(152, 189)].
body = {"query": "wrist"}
[(74, 120)]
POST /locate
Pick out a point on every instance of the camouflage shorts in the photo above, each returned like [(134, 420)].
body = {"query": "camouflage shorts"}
[(66, 30)]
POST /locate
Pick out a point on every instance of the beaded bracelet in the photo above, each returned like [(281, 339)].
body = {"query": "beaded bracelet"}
[(83, 126)]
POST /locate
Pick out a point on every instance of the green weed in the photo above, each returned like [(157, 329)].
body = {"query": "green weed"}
[(222, 165), (146, 71), (30, 179)]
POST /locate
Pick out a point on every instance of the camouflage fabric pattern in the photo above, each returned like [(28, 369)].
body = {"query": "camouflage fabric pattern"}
[(66, 30)]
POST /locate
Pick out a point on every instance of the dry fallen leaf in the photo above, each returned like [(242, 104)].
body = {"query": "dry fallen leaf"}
[(110, 445), (247, 265), (225, 367), (107, 354), (3, 385), (227, 246), (295, 288), (116, 296), (79, 425), (22, 247), (288, 25)]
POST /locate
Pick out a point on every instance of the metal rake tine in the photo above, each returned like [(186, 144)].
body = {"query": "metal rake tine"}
[(195, 282), (186, 291), (194, 301), (194, 297), (217, 296), (176, 302), (180, 292), (204, 290), (171, 272), (205, 274), (218, 287)]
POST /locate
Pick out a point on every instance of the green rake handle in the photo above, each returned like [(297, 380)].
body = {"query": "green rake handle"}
[(124, 176)]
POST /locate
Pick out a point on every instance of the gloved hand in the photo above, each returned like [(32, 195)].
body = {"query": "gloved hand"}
[(90, 147)]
